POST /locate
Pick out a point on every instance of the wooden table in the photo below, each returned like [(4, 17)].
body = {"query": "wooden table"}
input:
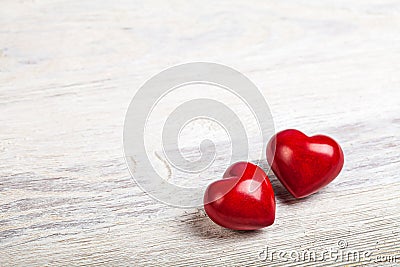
[(68, 70)]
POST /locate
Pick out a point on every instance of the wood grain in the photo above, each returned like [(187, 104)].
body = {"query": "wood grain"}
[(68, 70)]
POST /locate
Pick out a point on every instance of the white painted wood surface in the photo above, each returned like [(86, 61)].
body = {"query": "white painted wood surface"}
[(68, 70)]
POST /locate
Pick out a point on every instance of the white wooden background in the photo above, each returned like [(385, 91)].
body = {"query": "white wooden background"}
[(68, 70)]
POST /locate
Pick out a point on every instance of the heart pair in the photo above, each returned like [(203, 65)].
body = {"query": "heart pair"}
[(244, 199)]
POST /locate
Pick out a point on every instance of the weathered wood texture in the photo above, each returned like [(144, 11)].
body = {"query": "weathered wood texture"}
[(68, 70)]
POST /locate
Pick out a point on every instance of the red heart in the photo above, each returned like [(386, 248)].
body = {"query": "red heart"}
[(304, 164), (243, 200)]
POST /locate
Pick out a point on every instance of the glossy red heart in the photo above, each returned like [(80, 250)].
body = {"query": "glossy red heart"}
[(304, 164), (243, 200)]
